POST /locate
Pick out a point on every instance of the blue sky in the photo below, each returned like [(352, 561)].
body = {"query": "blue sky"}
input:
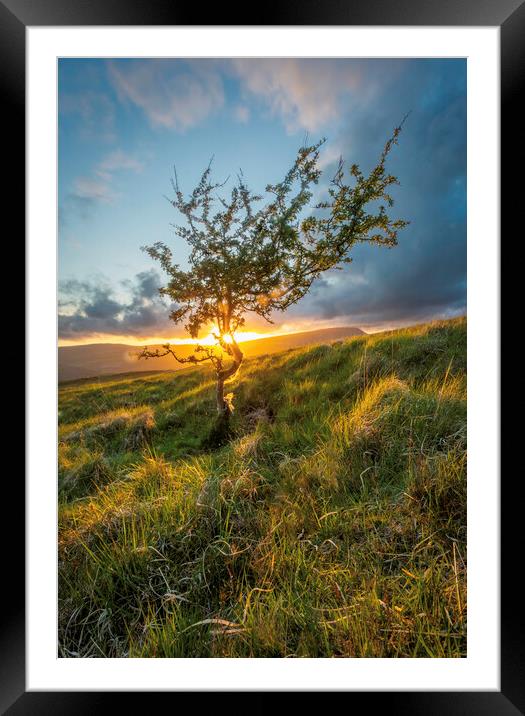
[(124, 124)]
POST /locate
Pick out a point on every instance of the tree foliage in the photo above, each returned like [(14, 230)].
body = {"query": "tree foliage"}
[(251, 258)]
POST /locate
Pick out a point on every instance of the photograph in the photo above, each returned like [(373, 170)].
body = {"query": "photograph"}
[(262, 357)]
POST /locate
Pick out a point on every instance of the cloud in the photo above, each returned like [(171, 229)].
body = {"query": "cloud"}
[(93, 308), (86, 193), (118, 161), (173, 94), (241, 113), (425, 275), (89, 191), (92, 190), (383, 288), (95, 111), (305, 93)]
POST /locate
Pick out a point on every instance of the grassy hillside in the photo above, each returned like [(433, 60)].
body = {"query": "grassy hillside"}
[(333, 524)]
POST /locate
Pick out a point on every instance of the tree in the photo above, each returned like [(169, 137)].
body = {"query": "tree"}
[(246, 259)]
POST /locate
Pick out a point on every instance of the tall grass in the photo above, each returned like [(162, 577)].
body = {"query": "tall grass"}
[(332, 525)]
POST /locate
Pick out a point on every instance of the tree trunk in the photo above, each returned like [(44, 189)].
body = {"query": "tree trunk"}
[(224, 409)]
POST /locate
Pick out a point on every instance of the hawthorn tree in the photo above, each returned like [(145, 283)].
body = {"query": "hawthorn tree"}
[(244, 259)]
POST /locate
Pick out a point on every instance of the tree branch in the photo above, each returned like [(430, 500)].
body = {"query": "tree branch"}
[(146, 354)]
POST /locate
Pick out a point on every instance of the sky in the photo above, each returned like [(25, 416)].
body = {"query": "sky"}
[(125, 124)]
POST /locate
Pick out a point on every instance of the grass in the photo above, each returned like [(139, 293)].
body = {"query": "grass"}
[(332, 525)]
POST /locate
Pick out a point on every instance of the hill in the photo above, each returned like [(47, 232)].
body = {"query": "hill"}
[(97, 359), (332, 525)]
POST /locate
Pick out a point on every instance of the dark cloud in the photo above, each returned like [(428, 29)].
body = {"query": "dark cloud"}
[(91, 307), (425, 275)]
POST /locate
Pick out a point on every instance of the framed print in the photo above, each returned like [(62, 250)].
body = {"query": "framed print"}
[(247, 463)]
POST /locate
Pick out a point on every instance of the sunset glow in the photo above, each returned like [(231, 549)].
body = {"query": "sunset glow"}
[(284, 329), (207, 340), (240, 337)]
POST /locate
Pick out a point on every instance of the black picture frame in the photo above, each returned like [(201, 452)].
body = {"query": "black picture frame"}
[(15, 16)]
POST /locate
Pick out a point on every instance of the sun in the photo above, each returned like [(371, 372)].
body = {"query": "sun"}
[(210, 340), (240, 337)]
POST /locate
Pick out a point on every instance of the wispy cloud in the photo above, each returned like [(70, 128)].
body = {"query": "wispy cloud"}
[(92, 190), (241, 113), (118, 161), (98, 188), (173, 95), (96, 113), (306, 94)]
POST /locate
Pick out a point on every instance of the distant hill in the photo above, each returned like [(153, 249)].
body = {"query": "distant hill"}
[(88, 361)]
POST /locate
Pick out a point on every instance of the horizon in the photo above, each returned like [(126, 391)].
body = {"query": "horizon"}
[(240, 336), (159, 341)]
